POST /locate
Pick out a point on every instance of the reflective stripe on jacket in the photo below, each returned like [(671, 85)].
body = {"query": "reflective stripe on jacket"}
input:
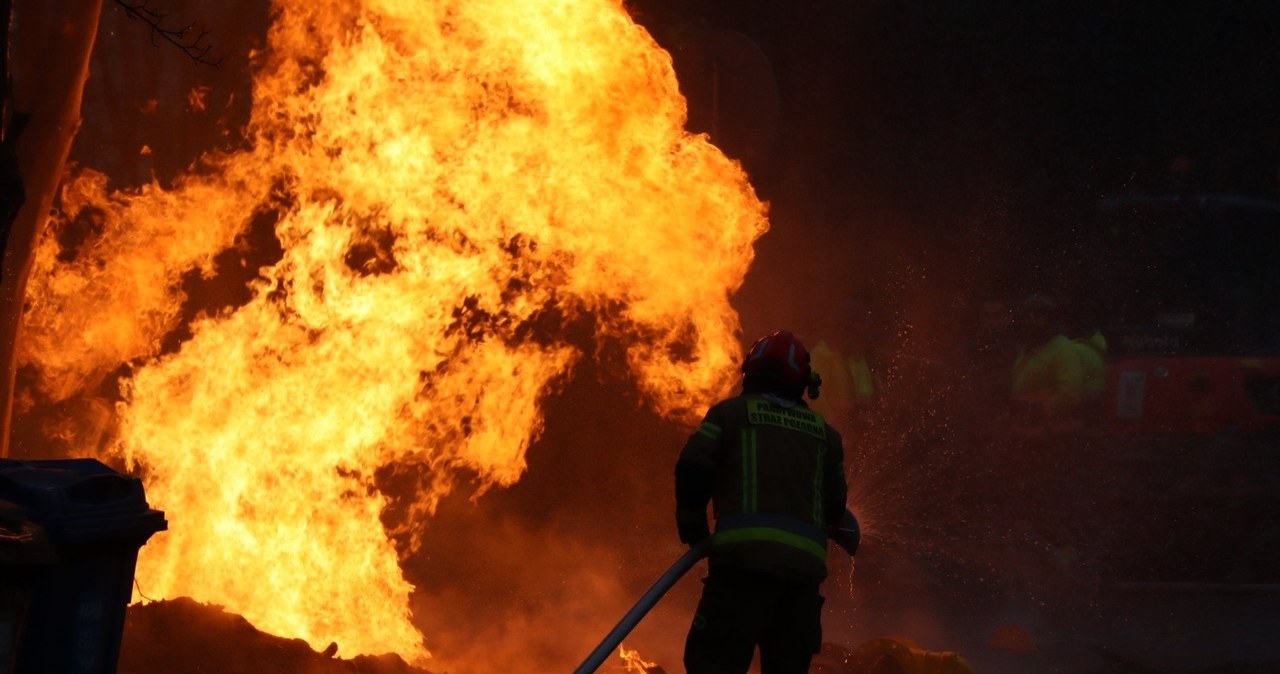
[(847, 380)]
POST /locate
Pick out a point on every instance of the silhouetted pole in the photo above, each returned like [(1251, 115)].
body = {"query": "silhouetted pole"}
[(49, 45)]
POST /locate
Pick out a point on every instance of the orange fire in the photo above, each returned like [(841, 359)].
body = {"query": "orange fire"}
[(454, 185), (632, 662)]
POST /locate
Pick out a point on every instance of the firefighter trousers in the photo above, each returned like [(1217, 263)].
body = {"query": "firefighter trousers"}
[(742, 609)]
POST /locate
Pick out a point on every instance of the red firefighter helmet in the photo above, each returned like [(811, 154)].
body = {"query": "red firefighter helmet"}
[(779, 355)]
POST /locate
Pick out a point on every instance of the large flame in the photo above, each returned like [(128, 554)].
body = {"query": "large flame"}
[(465, 196)]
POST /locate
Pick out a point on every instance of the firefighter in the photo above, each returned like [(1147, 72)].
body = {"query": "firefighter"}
[(773, 471), (1058, 382), (851, 384), (1047, 376)]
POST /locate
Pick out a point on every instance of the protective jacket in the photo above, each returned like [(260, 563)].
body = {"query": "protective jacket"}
[(1050, 378), (773, 470), (1062, 374), (848, 383)]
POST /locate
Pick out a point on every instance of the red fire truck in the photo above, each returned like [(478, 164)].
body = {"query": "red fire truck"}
[(1187, 291)]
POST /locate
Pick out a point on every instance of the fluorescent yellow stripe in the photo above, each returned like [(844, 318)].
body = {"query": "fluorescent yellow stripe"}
[(770, 534), (710, 430)]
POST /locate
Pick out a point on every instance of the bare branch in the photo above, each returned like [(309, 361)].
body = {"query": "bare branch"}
[(187, 38)]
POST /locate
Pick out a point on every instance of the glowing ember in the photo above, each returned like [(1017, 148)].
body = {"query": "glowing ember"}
[(454, 186)]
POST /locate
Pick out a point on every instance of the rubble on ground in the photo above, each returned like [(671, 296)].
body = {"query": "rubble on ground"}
[(184, 635)]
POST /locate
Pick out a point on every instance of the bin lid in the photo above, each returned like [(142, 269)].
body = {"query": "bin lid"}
[(80, 500)]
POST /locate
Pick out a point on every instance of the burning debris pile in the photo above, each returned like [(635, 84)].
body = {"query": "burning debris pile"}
[(439, 209), (183, 635)]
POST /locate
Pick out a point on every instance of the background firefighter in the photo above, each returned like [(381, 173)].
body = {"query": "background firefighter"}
[(1058, 382), (774, 472)]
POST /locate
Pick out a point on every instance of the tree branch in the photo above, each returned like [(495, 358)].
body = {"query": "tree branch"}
[(186, 37)]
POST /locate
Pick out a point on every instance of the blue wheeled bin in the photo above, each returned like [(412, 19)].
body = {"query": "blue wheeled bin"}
[(95, 520)]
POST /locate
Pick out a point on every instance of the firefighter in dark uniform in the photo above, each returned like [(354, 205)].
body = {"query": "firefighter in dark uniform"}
[(773, 470)]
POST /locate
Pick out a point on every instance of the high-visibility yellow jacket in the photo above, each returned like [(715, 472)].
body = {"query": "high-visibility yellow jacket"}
[(1050, 377), (1061, 374), (773, 471), (848, 382)]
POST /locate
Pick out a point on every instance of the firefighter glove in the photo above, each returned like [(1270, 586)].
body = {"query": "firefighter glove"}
[(692, 525), (847, 533)]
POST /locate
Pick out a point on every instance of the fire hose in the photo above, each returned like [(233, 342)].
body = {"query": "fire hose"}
[(642, 607)]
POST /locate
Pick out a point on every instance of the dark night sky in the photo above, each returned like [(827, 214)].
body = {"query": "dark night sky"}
[(959, 138), (1065, 97)]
